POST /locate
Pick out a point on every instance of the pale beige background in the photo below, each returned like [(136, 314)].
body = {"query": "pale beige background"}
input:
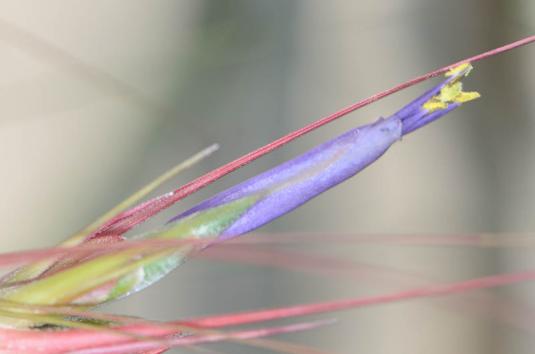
[(98, 97)]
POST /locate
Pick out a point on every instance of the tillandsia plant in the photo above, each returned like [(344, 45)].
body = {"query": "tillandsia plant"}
[(55, 291)]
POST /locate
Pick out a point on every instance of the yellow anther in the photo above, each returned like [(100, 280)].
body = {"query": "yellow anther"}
[(453, 91)]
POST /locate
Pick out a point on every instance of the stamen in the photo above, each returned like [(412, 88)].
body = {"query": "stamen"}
[(452, 92)]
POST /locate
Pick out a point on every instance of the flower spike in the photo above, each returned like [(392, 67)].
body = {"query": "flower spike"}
[(293, 183), (243, 207)]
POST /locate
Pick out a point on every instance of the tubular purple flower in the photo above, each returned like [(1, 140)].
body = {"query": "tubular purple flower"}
[(287, 186)]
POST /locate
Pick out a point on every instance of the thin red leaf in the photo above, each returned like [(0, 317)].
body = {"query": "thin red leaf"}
[(331, 306), (85, 341), (126, 220), (471, 240), (482, 303), (209, 338)]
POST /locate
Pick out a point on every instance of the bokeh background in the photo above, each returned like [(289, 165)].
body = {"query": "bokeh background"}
[(98, 97)]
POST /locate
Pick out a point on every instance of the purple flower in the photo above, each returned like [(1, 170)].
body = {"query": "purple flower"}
[(295, 182)]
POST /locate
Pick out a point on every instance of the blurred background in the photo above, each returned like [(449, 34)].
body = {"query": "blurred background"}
[(99, 97)]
